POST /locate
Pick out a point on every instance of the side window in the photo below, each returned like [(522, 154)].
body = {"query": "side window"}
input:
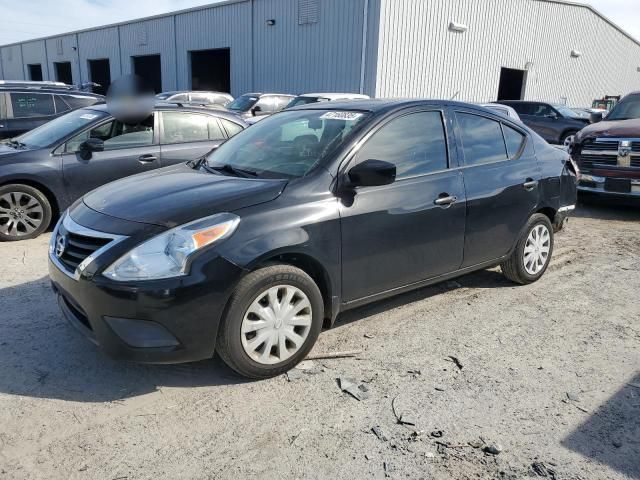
[(482, 139), (215, 130), (542, 110), (267, 104), (78, 102), (282, 102), (3, 107), (184, 127), (513, 139), (415, 143), (28, 104), (61, 106), (116, 135), (232, 128)]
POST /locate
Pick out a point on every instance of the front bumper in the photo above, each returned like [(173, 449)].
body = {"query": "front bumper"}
[(178, 317), (598, 185)]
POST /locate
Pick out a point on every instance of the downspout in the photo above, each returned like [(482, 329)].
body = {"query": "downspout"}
[(363, 58), (46, 59), (78, 57), (175, 53), (253, 86)]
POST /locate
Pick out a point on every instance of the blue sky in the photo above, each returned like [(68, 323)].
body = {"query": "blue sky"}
[(22, 20)]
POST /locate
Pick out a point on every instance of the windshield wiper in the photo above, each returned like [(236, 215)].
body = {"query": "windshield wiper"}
[(16, 144), (227, 168)]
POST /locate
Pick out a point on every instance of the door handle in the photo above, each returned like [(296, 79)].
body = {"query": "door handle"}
[(445, 200), (530, 184), (147, 158)]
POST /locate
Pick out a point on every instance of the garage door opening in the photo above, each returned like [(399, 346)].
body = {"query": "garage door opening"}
[(63, 72), (512, 84), (100, 73), (35, 72), (148, 68), (211, 70)]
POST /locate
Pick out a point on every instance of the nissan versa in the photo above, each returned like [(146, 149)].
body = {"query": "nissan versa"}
[(313, 211)]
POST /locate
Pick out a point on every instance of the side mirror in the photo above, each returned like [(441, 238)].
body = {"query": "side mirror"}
[(596, 117), (89, 146), (372, 173), (255, 110)]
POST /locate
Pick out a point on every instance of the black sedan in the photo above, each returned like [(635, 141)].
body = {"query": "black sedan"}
[(555, 123), (311, 212), (45, 170)]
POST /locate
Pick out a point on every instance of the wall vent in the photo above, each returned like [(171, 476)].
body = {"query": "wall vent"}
[(308, 11), (59, 49), (143, 36)]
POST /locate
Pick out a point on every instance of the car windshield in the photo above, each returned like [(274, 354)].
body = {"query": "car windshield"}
[(627, 109), (58, 128), (243, 103), (305, 101), (566, 111), (286, 145)]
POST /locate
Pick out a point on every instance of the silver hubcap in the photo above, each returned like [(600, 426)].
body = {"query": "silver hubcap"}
[(276, 324), (20, 214), (536, 250)]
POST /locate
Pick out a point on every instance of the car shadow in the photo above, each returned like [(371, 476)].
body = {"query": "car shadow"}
[(607, 208), (611, 435), (42, 356)]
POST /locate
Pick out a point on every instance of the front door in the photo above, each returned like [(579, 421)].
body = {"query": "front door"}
[(398, 234), (128, 149), (501, 177), (188, 136)]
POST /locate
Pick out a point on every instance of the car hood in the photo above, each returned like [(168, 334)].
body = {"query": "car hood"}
[(6, 150), (176, 195), (616, 128)]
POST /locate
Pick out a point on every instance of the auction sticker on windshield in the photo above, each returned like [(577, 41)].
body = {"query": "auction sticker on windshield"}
[(335, 115)]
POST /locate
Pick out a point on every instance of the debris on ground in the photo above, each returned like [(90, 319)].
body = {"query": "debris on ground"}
[(414, 371), (437, 434), (439, 389), (542, 470), (369, 335), (455, 360), (347, 354), (493, 449), (294, 374), (377, 431), (388, 468), (357, 390), (403, 417), (476, 443), (573, 397)]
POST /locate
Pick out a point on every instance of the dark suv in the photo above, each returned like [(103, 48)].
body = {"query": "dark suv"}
[(608, 151), (45, 170), (27, 105), (309, 212), (555, 123)]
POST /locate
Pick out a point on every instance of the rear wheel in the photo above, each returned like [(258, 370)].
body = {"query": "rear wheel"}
[(272, 321), (25, 212), (532, 254)]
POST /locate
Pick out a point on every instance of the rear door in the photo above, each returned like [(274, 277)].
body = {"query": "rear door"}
[(188, 136), (501, 176), (397, 234), (128, 149)]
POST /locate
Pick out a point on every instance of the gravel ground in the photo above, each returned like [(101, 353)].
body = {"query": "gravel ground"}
[(547, 372)]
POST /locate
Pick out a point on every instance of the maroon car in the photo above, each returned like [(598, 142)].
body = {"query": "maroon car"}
[(608, 151)]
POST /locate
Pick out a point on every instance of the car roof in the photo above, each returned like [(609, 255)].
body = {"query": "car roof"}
[(381, 104), (175, 92), (103, 107), (259, 94), (335, 95), (59, 91)]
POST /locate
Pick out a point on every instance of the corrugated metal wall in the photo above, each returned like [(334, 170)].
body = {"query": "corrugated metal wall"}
[(99, 44), (12, 66), (63, 49), (227, 26), (420, 57), (324, 56), (34, 53), (151, 37)]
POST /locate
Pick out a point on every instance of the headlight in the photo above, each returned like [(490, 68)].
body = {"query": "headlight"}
[(167, 254)]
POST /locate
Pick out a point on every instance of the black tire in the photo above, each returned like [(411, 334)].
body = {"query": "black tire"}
[(229, 343), (25, 212), (514, 267), (566, 135)]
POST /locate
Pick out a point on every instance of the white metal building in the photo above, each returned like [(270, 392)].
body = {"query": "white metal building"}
[(478, 50)]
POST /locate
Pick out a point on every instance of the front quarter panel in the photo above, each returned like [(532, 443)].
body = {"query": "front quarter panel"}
[(37, 167)]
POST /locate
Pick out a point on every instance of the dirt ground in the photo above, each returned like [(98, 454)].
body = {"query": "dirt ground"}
[(549, 372)]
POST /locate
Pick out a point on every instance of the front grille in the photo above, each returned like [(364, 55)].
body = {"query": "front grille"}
[(587, 161), (604, 152), (602, 145), (78, 248)]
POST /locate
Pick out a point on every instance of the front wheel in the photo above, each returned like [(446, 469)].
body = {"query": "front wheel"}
[(532, 254), (272, 321), (25, 212), (567, 139)]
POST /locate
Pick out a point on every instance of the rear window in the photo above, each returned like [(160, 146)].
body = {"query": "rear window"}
[(26, 105), (77, 101), (482, 139), (513, 139)]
